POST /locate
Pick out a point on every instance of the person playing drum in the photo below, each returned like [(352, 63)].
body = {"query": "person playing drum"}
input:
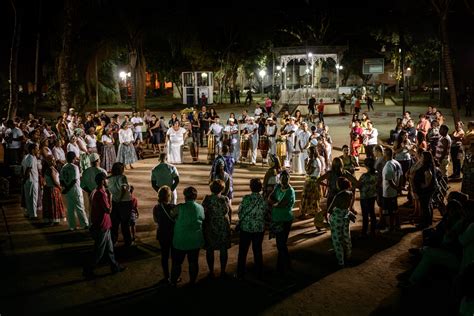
[(252, 129), (270, 132), (232, 131), (216, 129)]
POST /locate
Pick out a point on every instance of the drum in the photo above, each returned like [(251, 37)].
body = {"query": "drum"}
[(296, 165), (226, 139), (211, 148), (281, 148), (263, 145), (244, 146), (2, 154)]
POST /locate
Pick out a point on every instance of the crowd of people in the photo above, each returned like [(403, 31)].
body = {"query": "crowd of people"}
[(83, 162)]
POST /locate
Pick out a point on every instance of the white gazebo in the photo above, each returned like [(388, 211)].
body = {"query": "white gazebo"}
[(307, 70), (195, 84)]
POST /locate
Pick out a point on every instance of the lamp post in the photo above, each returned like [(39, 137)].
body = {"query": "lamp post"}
[(123, 75), (338, 68), (262, 74)]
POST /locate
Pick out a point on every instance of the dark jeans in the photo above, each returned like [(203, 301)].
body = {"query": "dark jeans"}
[(283, 261), (103, 247), (166, 245), (370, 106), (177, 261), (369, 151), (321, 116), (121, 214), (203, 131), (426, 211), (368, 210), (244, 243), (223, 259), (456, 161)]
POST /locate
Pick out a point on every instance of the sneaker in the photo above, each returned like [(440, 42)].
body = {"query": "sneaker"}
[(118, 269), (384, 231)]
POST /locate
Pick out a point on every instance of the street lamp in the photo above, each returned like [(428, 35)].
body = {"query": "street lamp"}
[(123, 75), (262, 73)]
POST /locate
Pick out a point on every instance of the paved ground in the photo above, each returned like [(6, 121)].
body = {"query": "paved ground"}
[(41, 266)]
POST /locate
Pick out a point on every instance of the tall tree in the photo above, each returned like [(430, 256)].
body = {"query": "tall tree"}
[(15, 46), (65, 56), (442, 8)]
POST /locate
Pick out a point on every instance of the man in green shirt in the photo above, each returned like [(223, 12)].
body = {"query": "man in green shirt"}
[(88, 183), (165, 174)]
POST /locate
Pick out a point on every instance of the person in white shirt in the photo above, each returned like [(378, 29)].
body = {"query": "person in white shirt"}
[(29, 169), (137, 123), (252, 129), (216, 129), (370, 139), (258, 110), (232, 133), (290, 132), (59, 154), (91, 141), (70, 181), (270, 132), (13, 138), (72, 146), (126, 152), (302, 144), (391, 174)]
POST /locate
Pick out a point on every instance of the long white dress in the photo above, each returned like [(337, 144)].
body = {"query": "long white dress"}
[(175, 145)]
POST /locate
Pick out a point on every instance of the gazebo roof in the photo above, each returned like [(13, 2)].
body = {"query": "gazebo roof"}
[(286, 54)]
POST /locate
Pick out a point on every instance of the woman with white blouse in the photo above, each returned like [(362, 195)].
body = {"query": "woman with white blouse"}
[(126, 151), (91, 141), (175, 138), (108, 153)]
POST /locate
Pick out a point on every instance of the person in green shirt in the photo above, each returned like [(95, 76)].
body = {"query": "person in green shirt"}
[(282, 200), (188, 238), (88, 183)]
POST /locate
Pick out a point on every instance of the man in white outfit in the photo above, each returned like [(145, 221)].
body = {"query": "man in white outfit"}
[(290, 132), (29, 168), (232, 130), (137, 122), (70, 181), (216, 129), (252, 129)]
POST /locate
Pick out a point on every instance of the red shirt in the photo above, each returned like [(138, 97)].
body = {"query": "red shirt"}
[(321, 107), (100, 210)]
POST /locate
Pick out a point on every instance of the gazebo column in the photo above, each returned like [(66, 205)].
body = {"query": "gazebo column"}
[(337, 73)]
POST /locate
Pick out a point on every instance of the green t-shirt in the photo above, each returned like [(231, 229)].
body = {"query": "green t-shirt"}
[(283, 213), (188, 228)]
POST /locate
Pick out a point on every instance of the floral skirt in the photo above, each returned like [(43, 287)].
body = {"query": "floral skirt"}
[(311, 197), (126, 154), (53, 207), (108, 157)]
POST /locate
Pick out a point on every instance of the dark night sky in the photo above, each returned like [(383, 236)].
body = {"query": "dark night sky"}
[(350, 23)]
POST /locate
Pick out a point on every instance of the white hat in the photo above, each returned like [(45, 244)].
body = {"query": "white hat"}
[(251, 118), (94, 157), (269, 119), (231, 119)]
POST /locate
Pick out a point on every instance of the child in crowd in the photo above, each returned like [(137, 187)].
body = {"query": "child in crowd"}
[(134, 215)]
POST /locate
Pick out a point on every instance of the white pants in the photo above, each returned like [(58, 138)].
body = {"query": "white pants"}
[(31, 198), (272, 146), (75, 205), (253, 149)]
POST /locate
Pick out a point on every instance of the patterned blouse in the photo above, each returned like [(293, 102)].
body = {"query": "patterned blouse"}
[(252, 212), (368, 186), (216, 225)]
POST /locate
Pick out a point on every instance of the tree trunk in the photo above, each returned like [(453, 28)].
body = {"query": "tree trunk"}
[(140, 80), (65, 57), (16, 36), (38, 38), (448, 67)]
